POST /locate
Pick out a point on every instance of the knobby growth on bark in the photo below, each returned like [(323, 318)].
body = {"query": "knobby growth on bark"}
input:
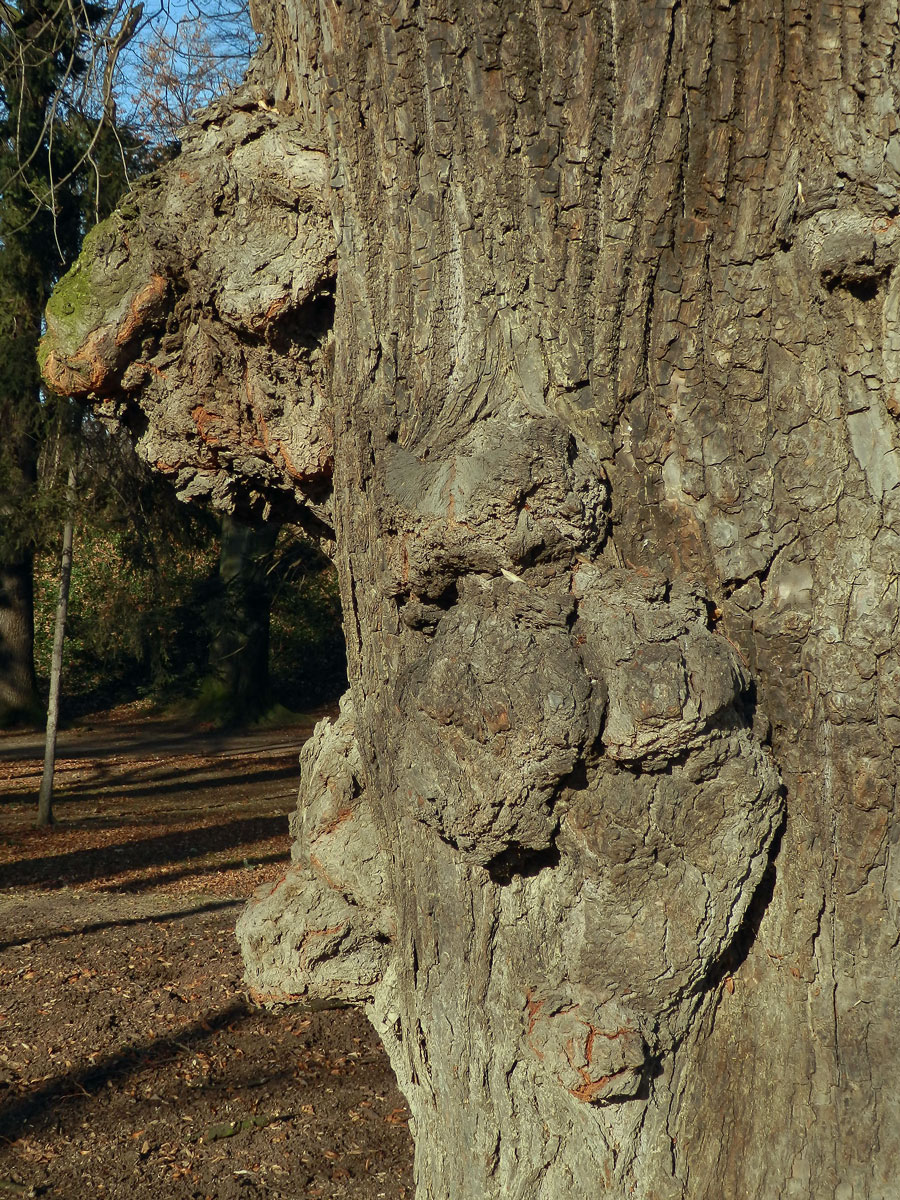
[(571, 332)]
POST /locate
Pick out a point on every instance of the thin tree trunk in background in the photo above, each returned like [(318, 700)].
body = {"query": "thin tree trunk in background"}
[(45, 797)]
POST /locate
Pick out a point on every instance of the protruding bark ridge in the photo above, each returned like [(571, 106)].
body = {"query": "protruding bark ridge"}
[(319, 935), (200, 314)]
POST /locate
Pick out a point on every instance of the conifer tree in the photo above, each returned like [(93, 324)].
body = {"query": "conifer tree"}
[(62, 164)]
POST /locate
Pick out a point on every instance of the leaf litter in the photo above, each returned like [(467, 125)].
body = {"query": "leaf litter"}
[(132, 1063)]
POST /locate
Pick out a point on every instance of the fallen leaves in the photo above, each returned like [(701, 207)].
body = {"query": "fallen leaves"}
[(125, 1036)]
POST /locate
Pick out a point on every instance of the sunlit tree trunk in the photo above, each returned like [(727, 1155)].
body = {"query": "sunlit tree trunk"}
[(45, 796), (605, 836)]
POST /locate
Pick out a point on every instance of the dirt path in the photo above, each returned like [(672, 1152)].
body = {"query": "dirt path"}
[(131, 1063)]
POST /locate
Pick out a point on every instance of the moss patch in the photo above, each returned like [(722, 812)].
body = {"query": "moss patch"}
[(92, 293)]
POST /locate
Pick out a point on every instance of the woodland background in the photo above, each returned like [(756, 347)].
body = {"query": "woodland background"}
[(91, 97)]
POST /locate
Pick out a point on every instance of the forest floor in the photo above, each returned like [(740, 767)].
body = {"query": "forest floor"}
[(131, 1062)]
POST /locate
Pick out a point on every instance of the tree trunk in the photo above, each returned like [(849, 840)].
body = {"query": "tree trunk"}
[(604, 837), (19, 699), (239, 652), (45, 796), (18, 687)]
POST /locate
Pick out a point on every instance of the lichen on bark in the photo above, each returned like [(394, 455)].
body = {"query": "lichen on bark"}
[(199, 314)]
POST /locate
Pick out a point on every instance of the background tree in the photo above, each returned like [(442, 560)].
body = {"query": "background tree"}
[(180, 64), (605, 837), (184, 60), (72, 130), (237, 688), (60, 165), (147, 616)]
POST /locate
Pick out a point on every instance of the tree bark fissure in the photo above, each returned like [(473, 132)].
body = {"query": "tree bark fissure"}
[(604, 434)]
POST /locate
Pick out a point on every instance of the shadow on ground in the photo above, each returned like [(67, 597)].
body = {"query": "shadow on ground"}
[(132, 1064), (98, 863)]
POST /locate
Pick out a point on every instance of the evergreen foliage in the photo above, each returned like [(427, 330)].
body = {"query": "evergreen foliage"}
[(151, 611), (63, 165), (144, 607), (61, 169)]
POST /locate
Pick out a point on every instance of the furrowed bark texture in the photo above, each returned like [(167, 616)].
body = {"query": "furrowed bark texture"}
[(604, 836)]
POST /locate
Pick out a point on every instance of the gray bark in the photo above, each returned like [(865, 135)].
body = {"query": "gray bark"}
[(603, 440), (45, 795)]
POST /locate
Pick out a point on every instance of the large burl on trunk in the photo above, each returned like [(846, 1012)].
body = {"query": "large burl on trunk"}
[(573, 330)]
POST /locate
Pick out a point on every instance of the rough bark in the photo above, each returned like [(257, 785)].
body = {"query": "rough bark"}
[(201, 312), (604, 837)]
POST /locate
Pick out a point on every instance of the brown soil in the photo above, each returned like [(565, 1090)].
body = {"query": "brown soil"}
[(131, 1062)]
